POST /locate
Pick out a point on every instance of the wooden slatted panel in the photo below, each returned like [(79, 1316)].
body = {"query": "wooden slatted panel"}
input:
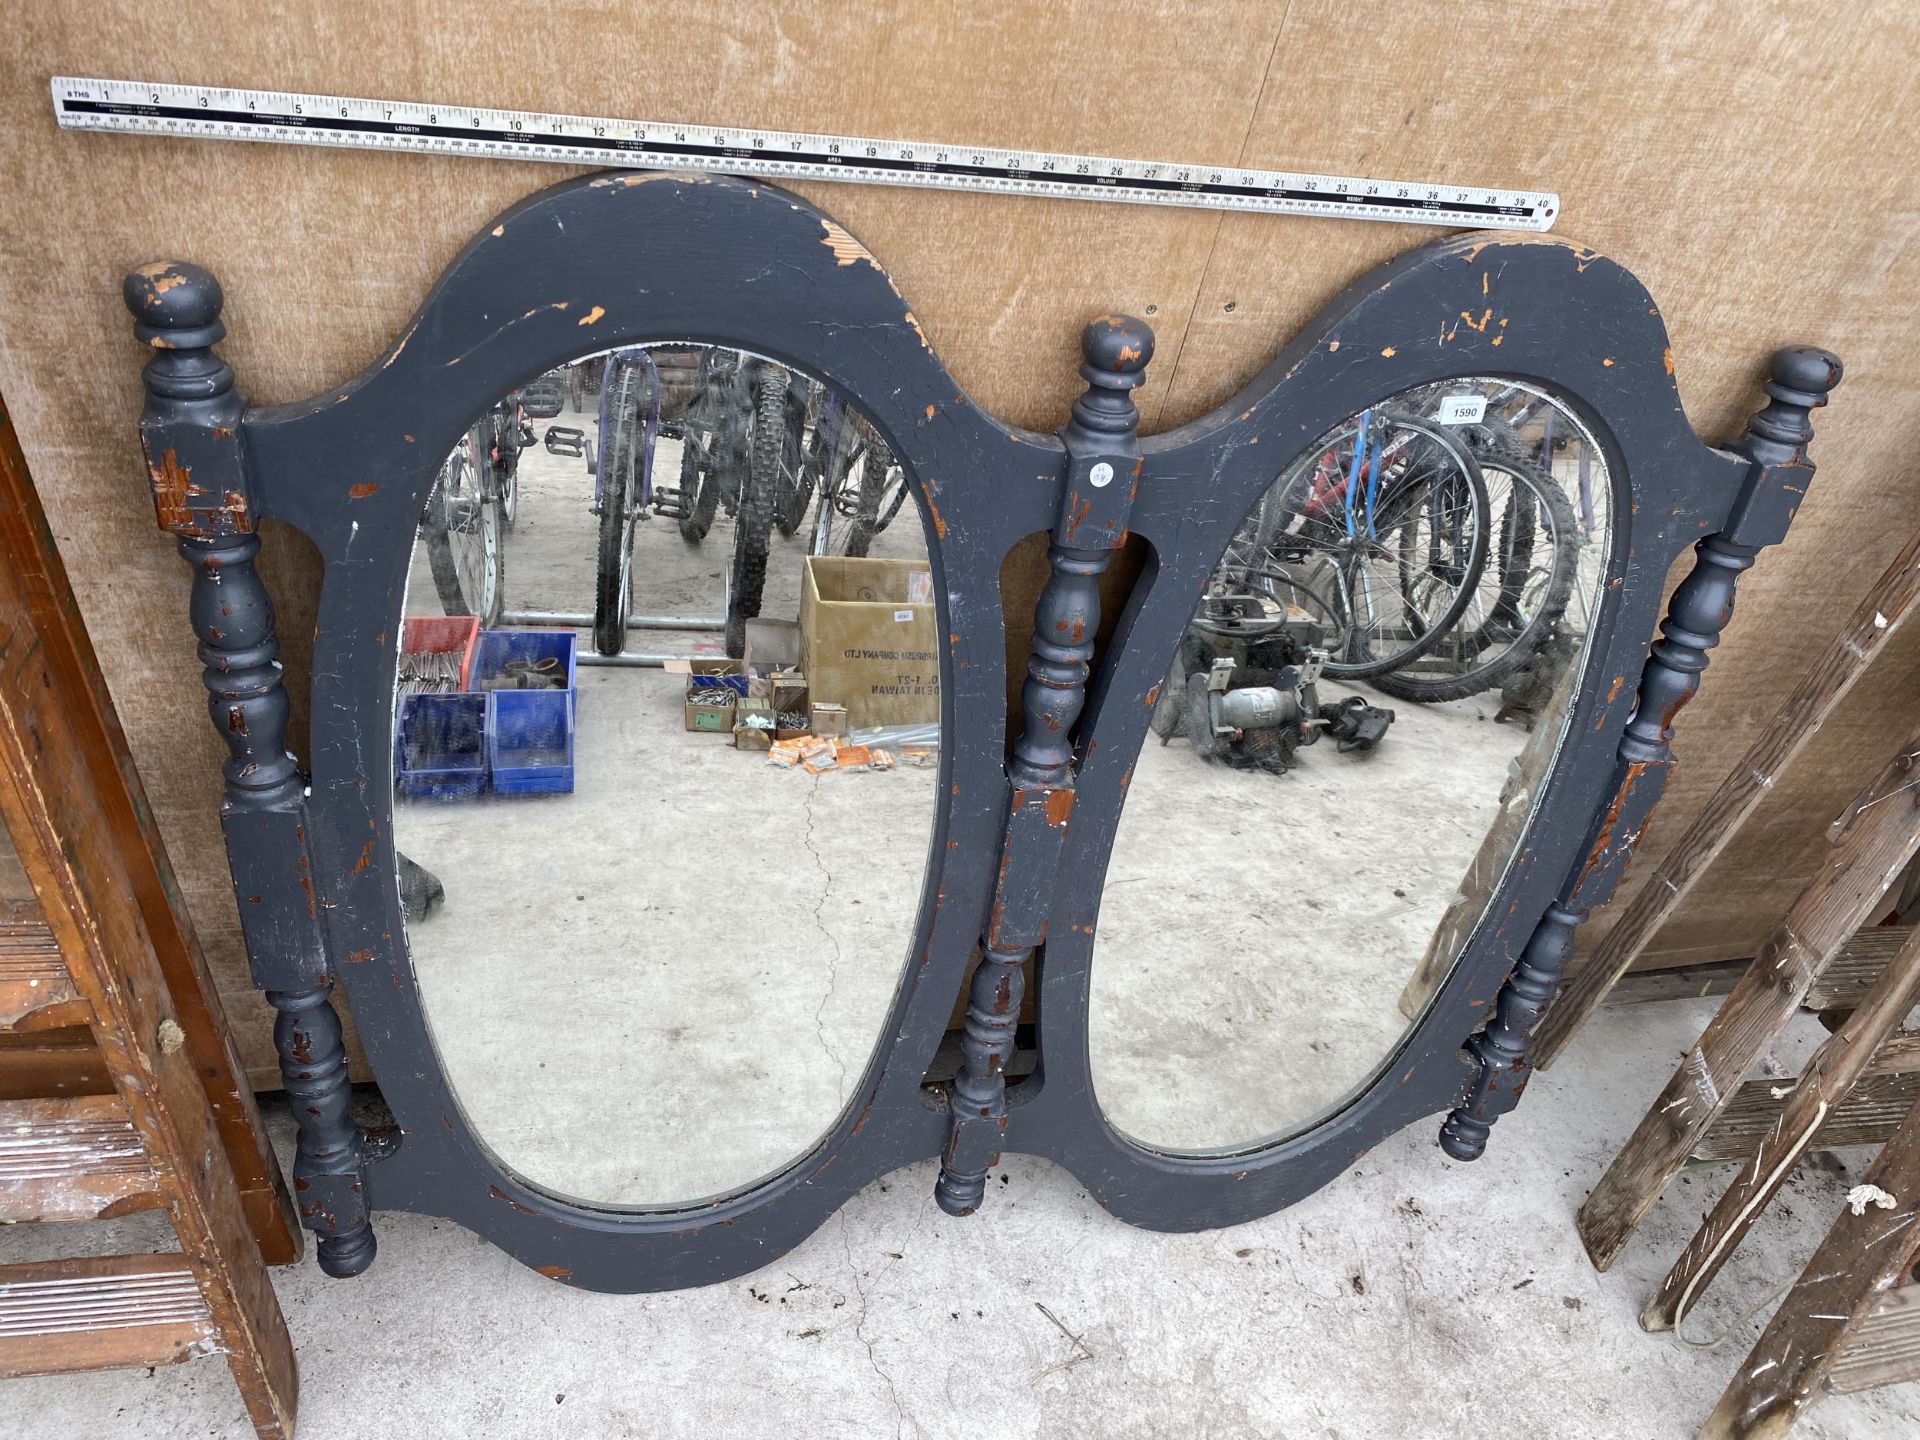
[(35, 990), (101, 1313), (60, 1062), (15, 888), (1848, 976), (1868, 1115), (74, 1159), (1679, 982), (1851, 973), (1885, 1350)]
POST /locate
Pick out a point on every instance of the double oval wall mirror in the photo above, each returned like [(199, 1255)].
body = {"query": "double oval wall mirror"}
[(741, 767)]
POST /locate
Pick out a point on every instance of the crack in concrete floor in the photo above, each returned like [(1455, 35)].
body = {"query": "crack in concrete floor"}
[(833, 964)]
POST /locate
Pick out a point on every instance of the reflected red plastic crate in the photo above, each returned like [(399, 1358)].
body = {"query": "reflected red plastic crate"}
[(432, 634)]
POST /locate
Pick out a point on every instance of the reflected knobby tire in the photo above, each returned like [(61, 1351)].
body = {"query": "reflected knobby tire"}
[(620, 468), (753, 523), (1539, 627)]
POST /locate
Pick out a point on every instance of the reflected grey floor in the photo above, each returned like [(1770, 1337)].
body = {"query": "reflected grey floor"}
[(667, 983), (1256, 930), (1412, 1298)]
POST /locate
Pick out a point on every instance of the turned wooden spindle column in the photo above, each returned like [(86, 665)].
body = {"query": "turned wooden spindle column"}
[(1775, 445), (1103, 468), (190, 431)]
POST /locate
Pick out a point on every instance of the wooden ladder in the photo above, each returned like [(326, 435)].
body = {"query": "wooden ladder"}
[(119, 1088), (1873, 840), (1862, 638), (1853, 1319)]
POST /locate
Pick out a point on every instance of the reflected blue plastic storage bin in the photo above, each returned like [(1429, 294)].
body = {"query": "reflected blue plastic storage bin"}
[(529, 732), (441, 749)]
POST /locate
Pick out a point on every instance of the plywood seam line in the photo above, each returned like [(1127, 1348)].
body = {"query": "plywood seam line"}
[(1213, 246)]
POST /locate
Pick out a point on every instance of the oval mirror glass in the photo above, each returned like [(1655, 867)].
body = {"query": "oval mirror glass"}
[(662, 815), (1343, 759)]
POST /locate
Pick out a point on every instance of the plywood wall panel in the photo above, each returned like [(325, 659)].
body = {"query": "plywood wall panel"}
[(1748, 162)]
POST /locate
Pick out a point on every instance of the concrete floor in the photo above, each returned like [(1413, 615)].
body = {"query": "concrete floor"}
[(730, 936), (1412, 1298)]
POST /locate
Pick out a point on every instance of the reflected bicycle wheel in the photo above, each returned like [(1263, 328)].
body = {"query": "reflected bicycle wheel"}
[(463, 530), (1385, 524), (628, 400), (1522, 594), (861, 494), (760, 497)]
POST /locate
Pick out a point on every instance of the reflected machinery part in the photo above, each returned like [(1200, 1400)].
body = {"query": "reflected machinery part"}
[(1443, 551), (1244, 688), (639, 812), (421, 892)]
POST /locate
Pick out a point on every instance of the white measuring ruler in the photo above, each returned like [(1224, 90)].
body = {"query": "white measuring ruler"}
[(201, 113)]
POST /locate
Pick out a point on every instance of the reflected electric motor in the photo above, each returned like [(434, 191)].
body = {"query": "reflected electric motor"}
[(1244, 689)]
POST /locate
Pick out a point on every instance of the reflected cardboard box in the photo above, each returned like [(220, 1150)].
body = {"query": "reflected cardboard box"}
[(773, 653), (714, 690), (772, 645), (787, 693), (753, 724), (868, 639)]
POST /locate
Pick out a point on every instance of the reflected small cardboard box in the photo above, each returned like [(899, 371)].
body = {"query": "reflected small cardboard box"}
[(725, 679), (753, 725), (787, 693)]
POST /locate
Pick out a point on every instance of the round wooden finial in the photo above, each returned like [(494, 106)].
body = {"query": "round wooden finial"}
[(1806, 372), (176, 307), (176, 304), (1800, 377), (1116, 347)]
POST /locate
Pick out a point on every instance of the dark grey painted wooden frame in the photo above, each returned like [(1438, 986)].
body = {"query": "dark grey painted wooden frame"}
[(624, 259)]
